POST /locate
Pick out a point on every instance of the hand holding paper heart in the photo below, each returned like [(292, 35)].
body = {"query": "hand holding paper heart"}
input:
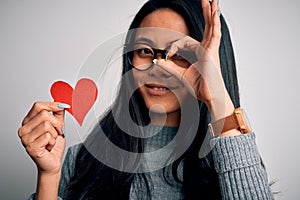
[(81, 99)]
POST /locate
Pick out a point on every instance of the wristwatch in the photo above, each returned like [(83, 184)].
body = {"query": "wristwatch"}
[(237, 120)]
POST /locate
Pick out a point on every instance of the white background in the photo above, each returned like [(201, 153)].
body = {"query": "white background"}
[(43, 41)]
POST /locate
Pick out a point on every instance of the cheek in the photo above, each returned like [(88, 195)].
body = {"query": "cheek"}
[(138, 81), (137, 77), (135, 61)]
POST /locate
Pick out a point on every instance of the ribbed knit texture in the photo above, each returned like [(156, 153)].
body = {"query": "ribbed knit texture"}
[(236, 159), (240, 169), (159, 188)]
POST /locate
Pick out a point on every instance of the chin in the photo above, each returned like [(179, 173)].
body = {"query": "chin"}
[(163, 107)]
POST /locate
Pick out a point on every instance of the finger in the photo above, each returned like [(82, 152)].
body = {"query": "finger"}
[(42, 117), (184, 43), (48, 106), (215, 40), (191, 45), (193, 74), (171, 68), (50, 146), (191, 77), (59, 146), (206, 8), (214, 7), (188, 77), (190, 74), (41, 129), (37, 149)]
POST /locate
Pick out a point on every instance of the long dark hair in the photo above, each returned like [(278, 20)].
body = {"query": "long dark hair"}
[(93, 179)]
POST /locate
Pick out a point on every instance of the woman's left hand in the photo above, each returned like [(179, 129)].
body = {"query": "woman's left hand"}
[(203, 78)]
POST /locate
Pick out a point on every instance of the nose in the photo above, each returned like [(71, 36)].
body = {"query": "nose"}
[(157, 70)]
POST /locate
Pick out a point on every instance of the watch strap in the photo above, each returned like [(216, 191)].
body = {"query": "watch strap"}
[(237, 120), (223, 125)]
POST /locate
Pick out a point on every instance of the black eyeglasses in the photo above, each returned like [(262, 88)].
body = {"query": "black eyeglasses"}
[(143, 55)]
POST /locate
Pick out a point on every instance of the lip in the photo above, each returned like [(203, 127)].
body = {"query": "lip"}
[(158, 89)]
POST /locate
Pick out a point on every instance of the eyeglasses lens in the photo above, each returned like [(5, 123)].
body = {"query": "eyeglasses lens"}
[(143, 56)]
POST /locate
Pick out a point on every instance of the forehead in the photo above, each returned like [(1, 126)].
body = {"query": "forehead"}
[(162, 27)]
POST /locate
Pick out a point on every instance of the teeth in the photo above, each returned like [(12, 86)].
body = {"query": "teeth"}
[(155, 88)]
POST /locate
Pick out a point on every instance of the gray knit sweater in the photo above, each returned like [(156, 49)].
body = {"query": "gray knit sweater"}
[(236, 160)]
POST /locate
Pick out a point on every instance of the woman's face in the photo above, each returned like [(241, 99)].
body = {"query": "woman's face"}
[(157, 86)]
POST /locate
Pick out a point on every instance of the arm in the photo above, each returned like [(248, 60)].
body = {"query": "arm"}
[(239, 167), (42, 136), (66, 173), (47, 187), (236, 157)]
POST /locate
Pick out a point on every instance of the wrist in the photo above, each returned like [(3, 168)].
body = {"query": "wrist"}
[(236, 123), (44, 174), (48, 172), (233, 132), (220, 108), (47, 187)]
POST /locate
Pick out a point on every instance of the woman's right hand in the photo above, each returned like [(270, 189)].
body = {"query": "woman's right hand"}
[(42, 135)]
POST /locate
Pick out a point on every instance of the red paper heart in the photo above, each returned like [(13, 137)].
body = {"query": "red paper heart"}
[(81, 99)]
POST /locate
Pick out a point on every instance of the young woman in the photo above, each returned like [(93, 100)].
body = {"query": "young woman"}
[(176, 53)]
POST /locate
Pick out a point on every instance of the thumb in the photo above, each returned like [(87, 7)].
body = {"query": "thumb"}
[(59, 114)]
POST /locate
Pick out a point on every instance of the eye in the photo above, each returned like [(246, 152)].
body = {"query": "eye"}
[(145, 52)]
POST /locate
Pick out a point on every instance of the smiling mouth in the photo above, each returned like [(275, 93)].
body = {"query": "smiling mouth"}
[(159, 87)]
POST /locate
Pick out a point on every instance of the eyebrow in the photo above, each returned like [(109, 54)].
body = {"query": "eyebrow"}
[(144, 40), (150, 42)]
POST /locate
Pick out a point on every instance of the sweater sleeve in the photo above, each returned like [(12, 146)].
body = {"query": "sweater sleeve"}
[(67, 171), (240, 168)]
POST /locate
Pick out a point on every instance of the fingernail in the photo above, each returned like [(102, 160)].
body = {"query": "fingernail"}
[(63, 105), (219, 12), (63, 131), (167, 55)]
